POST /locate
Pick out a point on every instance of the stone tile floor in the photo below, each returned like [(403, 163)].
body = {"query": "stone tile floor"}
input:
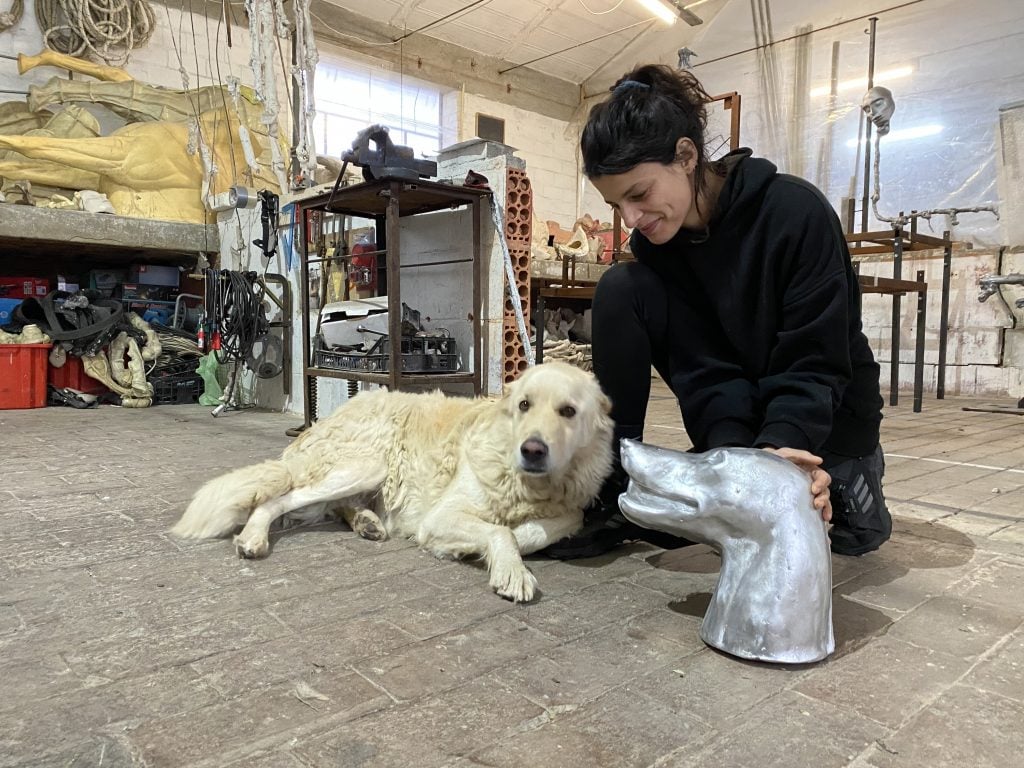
[(122, 647)]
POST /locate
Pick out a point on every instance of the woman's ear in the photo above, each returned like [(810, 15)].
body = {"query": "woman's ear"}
[(686, 153)]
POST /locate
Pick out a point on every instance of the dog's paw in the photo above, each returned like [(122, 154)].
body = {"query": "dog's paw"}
[(515, 583), (369, 526), (252, 549)]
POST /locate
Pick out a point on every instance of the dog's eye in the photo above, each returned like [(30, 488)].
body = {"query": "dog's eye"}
[(524, 405), (567, 411)]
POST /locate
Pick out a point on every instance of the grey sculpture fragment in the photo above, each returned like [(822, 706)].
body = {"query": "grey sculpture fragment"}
[(773, 601)]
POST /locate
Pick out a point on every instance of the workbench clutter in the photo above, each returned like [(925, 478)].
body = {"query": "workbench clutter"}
[(354, 336), (113, 346), (86, 347)]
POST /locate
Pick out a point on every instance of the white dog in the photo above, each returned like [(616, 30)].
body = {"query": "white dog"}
[(489, 478)]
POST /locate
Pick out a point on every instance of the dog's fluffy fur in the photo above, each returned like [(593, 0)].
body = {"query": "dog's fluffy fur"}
[(488, 478)]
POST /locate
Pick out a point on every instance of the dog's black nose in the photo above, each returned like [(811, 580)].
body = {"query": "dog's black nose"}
[(534, 452)]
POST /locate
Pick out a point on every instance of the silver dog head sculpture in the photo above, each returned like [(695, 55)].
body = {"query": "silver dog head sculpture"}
[(773, 601)]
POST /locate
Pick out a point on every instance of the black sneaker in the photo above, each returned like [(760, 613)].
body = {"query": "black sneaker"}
[(603, 533), (860, 520)]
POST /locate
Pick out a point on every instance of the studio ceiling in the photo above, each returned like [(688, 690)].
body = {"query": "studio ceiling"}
[(573, 40)]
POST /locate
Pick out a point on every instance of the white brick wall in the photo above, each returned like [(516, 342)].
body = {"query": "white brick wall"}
[(548, 146), (156, 63)]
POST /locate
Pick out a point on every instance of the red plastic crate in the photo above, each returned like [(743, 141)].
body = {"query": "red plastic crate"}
[(23, 375), (72, 375)]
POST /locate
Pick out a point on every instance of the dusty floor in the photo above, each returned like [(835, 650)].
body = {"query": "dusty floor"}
[(122, 647)]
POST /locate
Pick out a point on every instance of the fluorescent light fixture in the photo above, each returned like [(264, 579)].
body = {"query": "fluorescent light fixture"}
[(662, 9), (861, 83), (919, 132)]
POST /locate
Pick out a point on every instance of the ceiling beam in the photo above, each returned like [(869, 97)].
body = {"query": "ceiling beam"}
[(617, 55), (446, 64), (530, 26)]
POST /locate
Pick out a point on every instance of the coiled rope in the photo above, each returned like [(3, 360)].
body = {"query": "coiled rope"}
[(9, 18), (101, 29)]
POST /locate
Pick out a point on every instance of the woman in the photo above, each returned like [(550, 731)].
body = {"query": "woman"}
[(742, 297)]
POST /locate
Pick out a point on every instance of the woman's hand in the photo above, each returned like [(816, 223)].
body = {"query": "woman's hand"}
[(820, 479)]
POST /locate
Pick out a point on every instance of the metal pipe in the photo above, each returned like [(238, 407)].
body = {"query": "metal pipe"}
[(873, 23)]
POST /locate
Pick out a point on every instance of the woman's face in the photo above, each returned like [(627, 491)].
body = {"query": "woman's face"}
[(654, 198)]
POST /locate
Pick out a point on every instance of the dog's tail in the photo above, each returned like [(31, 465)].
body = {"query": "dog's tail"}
[(225, 502)]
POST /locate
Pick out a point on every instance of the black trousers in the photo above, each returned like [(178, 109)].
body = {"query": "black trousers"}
[(629, 324)]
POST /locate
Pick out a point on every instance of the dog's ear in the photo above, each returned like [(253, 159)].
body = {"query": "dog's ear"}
[(509, 397), (604, 401)]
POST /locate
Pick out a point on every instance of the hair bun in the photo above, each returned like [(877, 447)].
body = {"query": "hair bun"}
[(627, 84)]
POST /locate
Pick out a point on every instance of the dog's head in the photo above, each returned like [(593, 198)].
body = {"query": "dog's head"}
[(719, 494), (560, 417)]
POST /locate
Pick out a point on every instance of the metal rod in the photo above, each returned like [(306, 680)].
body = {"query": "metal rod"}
[(947, 263), (539, 322), (391, 227), (865, 201), (436, 263), (809, 32), (478, 303), (572, 47), (922, 308), (894, 367), (307, 395), (435, 22)]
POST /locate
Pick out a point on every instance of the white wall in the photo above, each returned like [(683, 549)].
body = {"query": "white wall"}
[(548, 146), (156, 63)]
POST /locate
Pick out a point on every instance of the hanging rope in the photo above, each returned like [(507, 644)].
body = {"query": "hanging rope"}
[(12, 17), (100, 29)]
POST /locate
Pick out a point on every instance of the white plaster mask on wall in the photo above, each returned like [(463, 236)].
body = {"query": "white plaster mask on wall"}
[(879, 106)]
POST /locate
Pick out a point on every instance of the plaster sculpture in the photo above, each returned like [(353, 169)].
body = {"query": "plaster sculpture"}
[(197, 156), (145, 169), (773, 601), (879, 106), (16, 117), (70, 123)]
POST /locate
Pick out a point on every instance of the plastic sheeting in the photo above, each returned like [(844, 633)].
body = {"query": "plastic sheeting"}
[(964, 72)]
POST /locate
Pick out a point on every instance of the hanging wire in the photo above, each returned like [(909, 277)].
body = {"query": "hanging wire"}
[(600, 13), (349, 36)]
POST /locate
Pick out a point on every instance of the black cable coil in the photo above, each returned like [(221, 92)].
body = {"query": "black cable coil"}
[(237, 304)]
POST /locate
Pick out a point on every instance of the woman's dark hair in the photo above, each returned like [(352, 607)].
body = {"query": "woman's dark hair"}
[(650, 109)]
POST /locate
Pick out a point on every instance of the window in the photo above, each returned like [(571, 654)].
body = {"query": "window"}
[(350, 96)]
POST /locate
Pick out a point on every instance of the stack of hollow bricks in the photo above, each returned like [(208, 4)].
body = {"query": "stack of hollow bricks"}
[(518, 231)]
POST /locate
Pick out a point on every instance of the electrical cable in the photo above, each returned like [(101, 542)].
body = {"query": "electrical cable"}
[(338, 32), (600, 13), (239, 313)]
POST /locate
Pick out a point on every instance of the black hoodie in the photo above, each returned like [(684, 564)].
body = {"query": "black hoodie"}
[(767, 346)]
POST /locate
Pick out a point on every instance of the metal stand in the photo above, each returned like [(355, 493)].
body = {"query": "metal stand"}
[(389, 199)]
